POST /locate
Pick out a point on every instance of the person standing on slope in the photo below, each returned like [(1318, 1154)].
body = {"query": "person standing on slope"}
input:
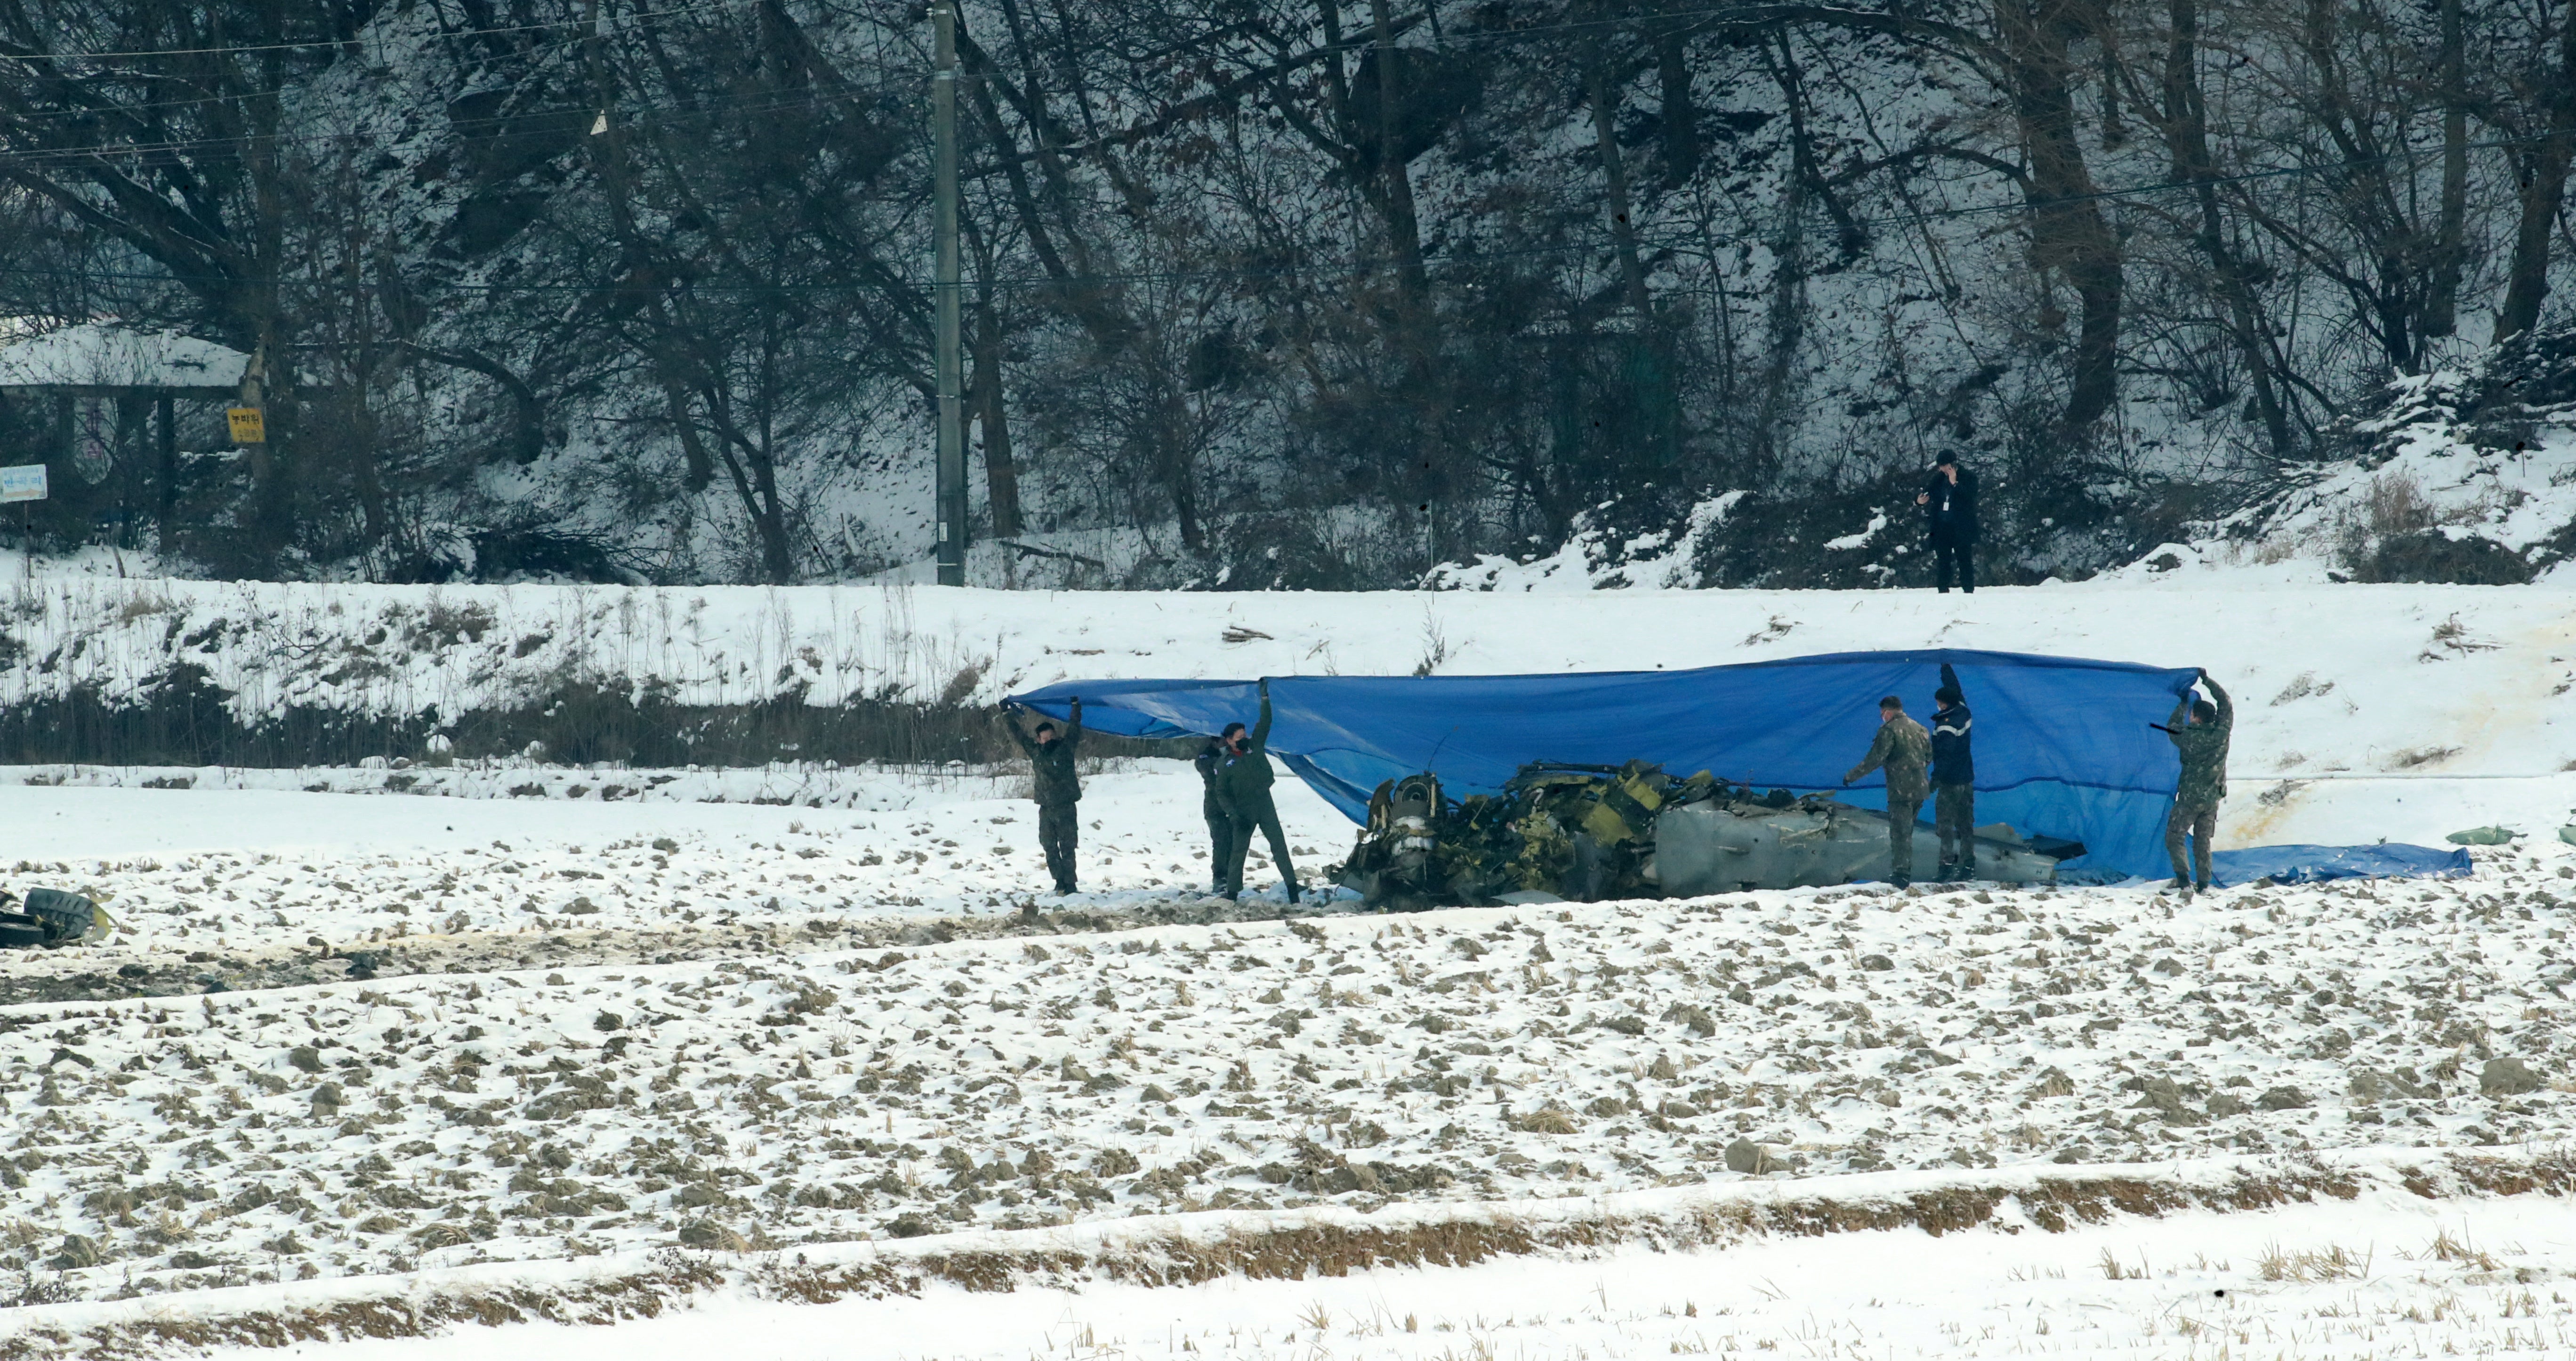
[(1220, 825), (1949, 504), (1905, 750), (2199, 730), (1954, 780), (1058, 789), (1243, 786)]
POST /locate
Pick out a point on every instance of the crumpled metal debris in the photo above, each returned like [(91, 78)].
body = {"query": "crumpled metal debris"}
[(1592, 832)]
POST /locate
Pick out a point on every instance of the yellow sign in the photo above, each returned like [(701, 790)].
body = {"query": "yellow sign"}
[(250, 426)]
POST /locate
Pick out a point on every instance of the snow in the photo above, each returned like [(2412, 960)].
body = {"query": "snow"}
[(2430, 469), (2333, 682), (2415, 1278), (573, 1088), (1849, 542), (103, 354), (1587, 561), (558, 1015)]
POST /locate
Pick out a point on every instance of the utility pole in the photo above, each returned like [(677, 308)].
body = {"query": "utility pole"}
[(951, 506)]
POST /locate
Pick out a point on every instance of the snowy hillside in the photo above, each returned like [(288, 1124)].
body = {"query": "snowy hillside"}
[(1333, 295), (2349, 696), (2466, 474)]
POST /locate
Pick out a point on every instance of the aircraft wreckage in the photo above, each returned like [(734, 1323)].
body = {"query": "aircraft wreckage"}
[(49, 918), (1585, 833)]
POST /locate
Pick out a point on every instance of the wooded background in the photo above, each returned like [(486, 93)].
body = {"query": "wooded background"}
[(1270, 292)]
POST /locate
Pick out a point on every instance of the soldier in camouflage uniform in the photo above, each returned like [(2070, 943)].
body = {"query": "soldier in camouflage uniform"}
[(1905, 750), (1058, 788), (2199, 730)]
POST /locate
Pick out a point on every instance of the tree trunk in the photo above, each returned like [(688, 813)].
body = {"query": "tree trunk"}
[(2544, 189), (2186, 128), (1404, 232), (992, 418), (1788, 262), (2442, 290), (1614, 174), (2069, 234), (1679, 116), (166, 468)]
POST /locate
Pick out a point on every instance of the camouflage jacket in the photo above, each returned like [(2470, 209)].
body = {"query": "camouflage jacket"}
[(2204, 751), (1906, 751)]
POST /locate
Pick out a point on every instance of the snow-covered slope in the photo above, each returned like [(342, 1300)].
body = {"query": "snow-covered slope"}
[(2464, 474), (2331, 680)]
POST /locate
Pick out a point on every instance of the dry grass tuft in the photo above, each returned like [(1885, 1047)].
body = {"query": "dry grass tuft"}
[(1303, 1251), (2332, 1263)]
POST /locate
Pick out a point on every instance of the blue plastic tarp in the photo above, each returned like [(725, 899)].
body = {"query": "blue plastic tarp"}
[(2063, 745), (2317, 864)]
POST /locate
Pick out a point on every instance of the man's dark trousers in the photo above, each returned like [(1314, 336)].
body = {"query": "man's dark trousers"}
[(1267, 820), (1059, 828)]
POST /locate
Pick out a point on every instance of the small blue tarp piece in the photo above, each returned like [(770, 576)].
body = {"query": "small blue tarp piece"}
[(2064, 746), (2317, 864)]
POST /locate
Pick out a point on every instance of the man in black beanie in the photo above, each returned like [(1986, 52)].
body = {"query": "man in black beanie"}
[(1949, 504)]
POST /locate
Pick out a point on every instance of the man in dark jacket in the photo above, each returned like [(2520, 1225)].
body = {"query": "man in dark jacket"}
[(1949, 504), (1243, 786), (1954, 779), (1058, 787), (1211, 763)]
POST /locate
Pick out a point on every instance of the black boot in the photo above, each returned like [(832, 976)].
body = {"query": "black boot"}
[(1292, 891), (1968, 869), (1946, 873), (2179, 885)]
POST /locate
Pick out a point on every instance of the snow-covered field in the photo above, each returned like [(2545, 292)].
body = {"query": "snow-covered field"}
[(814, 1093), (501, 1018), (2383, 1276)]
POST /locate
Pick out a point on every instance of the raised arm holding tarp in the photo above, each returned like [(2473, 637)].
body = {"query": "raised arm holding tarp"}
[(1057, 787), (1243, 786), (2200, 731)]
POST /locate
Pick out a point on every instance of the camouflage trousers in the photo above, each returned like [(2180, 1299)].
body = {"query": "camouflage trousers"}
[(1954, 818), (2199, 822), (1901, 814)]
